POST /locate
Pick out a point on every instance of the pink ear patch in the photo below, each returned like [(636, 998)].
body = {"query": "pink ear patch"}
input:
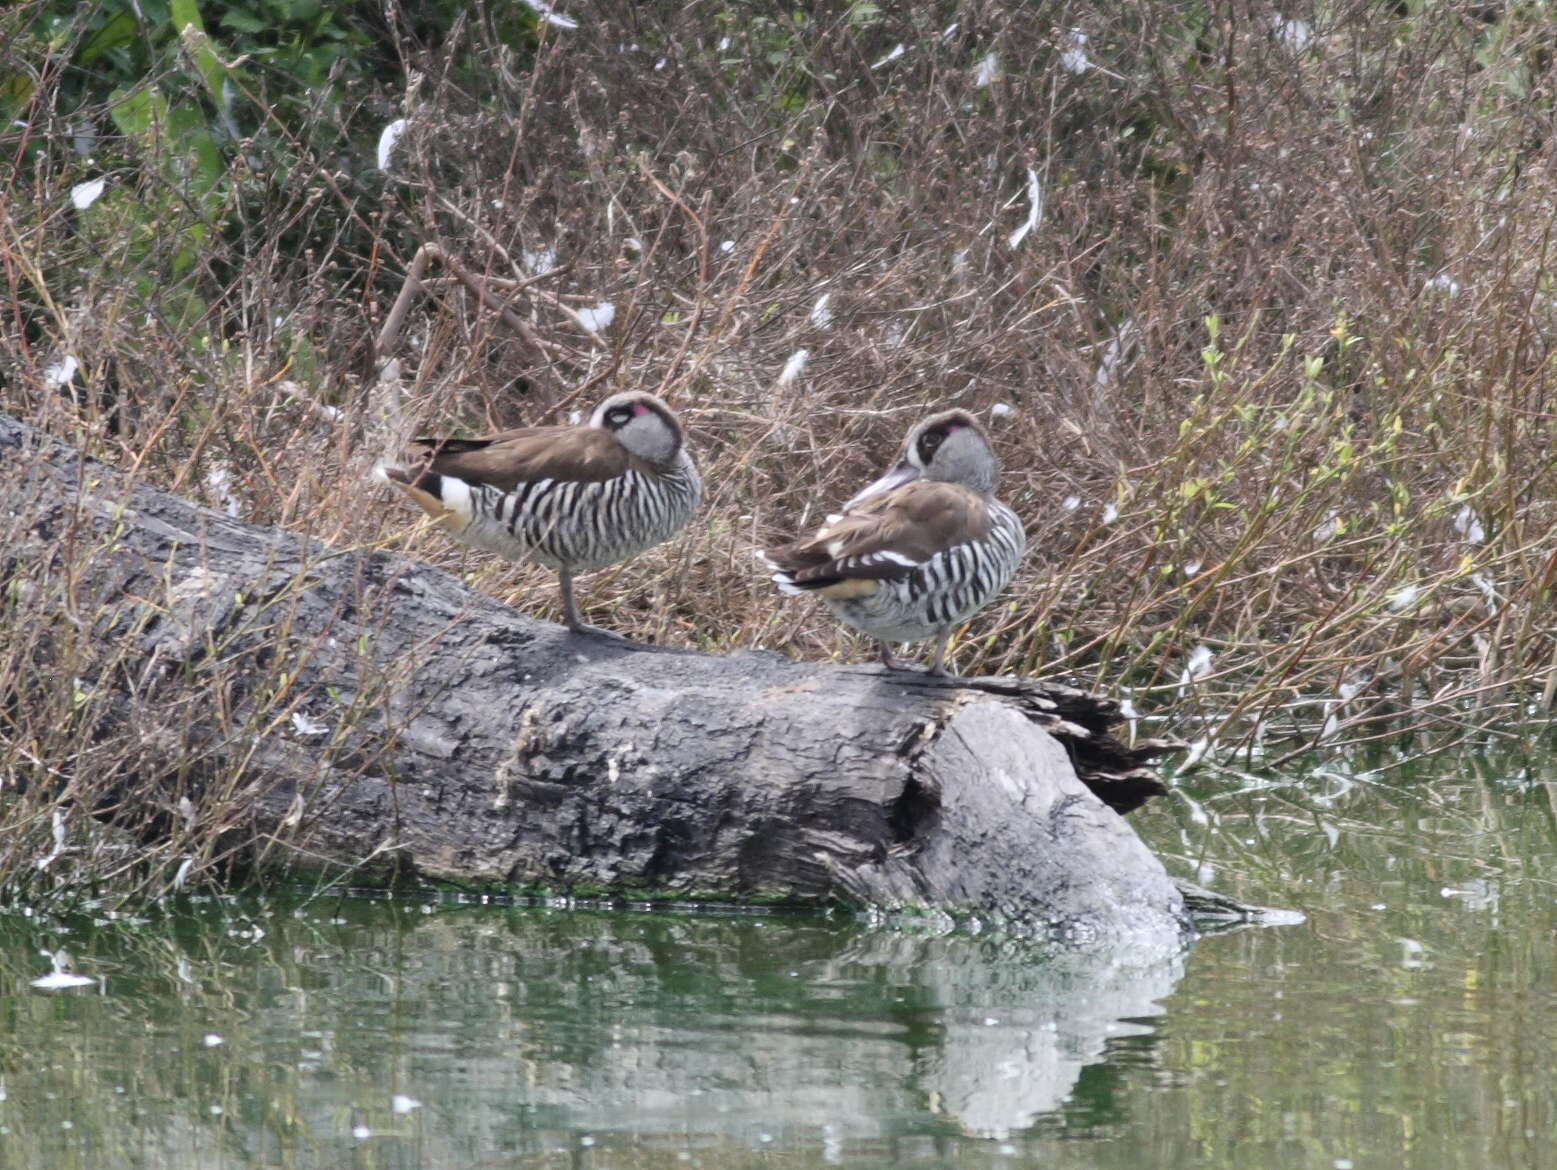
[(640, 408)]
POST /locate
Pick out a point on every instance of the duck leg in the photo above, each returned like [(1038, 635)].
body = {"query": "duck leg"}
[(570, 611), (938, 667), (892, 661)]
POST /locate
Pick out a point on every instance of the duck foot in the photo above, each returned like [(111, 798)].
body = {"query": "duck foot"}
[(579, 627)]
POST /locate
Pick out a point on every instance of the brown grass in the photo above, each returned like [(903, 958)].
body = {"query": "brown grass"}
[(1278, 352)]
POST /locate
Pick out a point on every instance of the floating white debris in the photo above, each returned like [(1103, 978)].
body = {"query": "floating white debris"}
[(1191, 568), (1468, 524), (1110, 514), (219, 480), (575, 417), (1197, 752), (62, 976), (83, 195), (1295, 34), (60, 371), (544, 10), (897, 51), (724, 43), (1403, 598), (400, 1103), (598, 319), (58, 826), (1330, 529), (959, 265), (949, 31), (1474, 894), (988, 68), (821, 315), (633, 244), (792, 368), (538, 259), (306, 724), (1071, 503), (212, 1040), (1034, 208), (361, 1132), (1443, 283), (1001, 410), (1488, 593), (1074, 58), (388, 139), (1114, 352), (1198, 666), (727, 246), (182, 875), (659, 66), (1411, 952)]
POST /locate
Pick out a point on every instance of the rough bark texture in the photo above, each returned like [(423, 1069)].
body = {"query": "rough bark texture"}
[(383, 714)]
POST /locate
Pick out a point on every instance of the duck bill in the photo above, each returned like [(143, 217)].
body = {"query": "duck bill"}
[(904, 472)]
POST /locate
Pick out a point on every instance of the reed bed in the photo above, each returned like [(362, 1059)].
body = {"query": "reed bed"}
[(1258, 308)]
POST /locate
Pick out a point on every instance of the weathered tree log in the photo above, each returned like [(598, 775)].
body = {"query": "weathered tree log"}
[(381, 714)]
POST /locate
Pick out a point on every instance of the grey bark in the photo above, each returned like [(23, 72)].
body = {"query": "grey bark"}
[(374, 712)]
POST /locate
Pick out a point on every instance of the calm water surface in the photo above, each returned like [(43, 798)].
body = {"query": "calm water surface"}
[(1410, 1022)]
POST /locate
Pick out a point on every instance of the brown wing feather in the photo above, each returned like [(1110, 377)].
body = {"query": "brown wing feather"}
[(527, 454), (884, 538)]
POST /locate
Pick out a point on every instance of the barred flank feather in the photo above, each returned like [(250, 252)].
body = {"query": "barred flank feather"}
[(567, 524), (943, 591)]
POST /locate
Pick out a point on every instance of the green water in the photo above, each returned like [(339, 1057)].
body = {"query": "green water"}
[(1411, 1021)]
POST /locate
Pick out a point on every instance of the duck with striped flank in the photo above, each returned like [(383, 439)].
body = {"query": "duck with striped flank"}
[(573, 498), (919, 551)]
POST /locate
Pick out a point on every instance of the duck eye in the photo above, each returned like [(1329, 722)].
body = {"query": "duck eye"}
[(619, 416)]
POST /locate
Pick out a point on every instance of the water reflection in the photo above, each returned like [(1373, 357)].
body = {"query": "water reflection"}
[(1409, 1021), (258, 1038)]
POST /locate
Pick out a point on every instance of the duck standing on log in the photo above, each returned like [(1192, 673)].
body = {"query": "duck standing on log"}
[(919, 551), (573, 498)]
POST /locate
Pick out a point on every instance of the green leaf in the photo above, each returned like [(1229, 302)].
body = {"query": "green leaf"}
[(135, 112), (243, 21), (189, 133), (185, 14), (118, 31), (16, 91)]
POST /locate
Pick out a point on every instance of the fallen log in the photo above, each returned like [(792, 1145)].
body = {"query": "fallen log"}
[(371, 712)]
